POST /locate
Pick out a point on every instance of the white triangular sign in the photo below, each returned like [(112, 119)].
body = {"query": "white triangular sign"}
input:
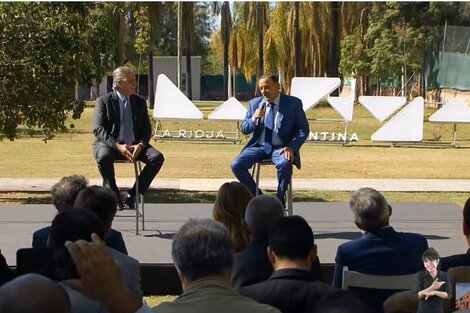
[(171, 103), (230, 110), (406, 125), (382, 107), (311, 90), (343, 105), (454, 111)]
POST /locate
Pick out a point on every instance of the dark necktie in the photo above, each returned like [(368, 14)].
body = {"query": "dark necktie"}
[(128, 133), (268, 129)]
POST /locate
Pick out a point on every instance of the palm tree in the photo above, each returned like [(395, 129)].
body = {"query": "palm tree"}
[(188, 30), (332, 63), (225, 30), (296, 39), (256, 21)]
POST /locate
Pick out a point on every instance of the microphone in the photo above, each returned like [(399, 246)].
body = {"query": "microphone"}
[(261, 106)]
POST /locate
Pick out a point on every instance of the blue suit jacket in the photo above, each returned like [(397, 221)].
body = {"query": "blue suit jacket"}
[(385, 252), (113, 239), (455, 261), (292, 125)]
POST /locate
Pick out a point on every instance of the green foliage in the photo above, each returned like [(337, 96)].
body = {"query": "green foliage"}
[(393, 36), (46, 50)]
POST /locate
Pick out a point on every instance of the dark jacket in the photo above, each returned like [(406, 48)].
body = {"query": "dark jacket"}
[(289, 290)]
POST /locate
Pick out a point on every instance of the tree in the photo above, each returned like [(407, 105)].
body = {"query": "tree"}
[(44, 54), (225, 30), (188, 30)]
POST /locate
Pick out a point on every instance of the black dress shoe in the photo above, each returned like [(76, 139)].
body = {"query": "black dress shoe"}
[(120, 206), (129, 203)]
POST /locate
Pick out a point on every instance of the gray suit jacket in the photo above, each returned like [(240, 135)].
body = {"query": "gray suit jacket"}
[(107, 122), (130, 269)]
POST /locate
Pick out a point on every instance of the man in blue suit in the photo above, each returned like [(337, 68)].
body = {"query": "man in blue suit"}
[(381, 250), (279, 128), (460, 259)]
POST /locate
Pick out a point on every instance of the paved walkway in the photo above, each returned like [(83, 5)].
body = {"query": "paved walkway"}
[(331, 221), (193, 184)]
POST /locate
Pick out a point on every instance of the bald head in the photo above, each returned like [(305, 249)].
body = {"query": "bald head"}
[(262, 211), (33, 293)]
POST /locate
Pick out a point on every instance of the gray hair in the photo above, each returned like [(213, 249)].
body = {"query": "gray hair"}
[(261, 213), (371, 210), (65, 191), (202, 247), (120, 74)]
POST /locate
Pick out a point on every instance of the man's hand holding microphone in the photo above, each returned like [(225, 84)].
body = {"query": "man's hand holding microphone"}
[(260, 111)]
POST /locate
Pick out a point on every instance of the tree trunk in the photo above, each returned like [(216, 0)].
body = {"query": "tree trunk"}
[(332, 68), (178, 43), (122, 34), (189, 89), (151, 92), (296, 40)]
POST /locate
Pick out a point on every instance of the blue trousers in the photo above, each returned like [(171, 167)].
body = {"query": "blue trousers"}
[(251, 155)]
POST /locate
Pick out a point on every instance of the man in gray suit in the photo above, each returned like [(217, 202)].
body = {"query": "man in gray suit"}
[(122, 130)]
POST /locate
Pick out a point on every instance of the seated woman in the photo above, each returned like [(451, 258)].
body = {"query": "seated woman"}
[(432, 284), (229, 209)]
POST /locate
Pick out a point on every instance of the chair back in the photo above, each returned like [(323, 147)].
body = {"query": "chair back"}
[(460, 274), (387, 282)]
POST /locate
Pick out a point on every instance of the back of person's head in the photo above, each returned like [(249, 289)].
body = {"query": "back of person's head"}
[(229, 209), (100, 200), (65, 191), (202, 247), (33, 293), (262, 211), (74, 224), (341, 301), (371, 210), (291, 237)]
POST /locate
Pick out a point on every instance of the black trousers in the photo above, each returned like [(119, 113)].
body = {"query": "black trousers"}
[(105, 157)]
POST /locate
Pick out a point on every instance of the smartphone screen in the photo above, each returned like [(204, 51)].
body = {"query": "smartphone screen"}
[(54, 263)]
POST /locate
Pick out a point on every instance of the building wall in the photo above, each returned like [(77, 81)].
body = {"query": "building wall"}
[(168, 65)]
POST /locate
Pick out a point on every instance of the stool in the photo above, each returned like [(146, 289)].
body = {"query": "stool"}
[(255, 173), (139, 198)]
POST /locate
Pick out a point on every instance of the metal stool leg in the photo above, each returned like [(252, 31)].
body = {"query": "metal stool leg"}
[(258, 170), (142, 200), (137, 197), (289, 204)]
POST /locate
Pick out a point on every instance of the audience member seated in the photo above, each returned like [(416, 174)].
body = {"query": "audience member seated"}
[(341, 301), (6, 273), (401, 302), (103, 202), (381, 250), (33, 293), (79, 224), (63, 194), (203, 255), (291, 288), (101, 278), (252, 265), (229, 209), (460, 259), (432, 285)]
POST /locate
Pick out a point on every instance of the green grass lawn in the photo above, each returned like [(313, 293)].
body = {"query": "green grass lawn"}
[(70, 152)]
